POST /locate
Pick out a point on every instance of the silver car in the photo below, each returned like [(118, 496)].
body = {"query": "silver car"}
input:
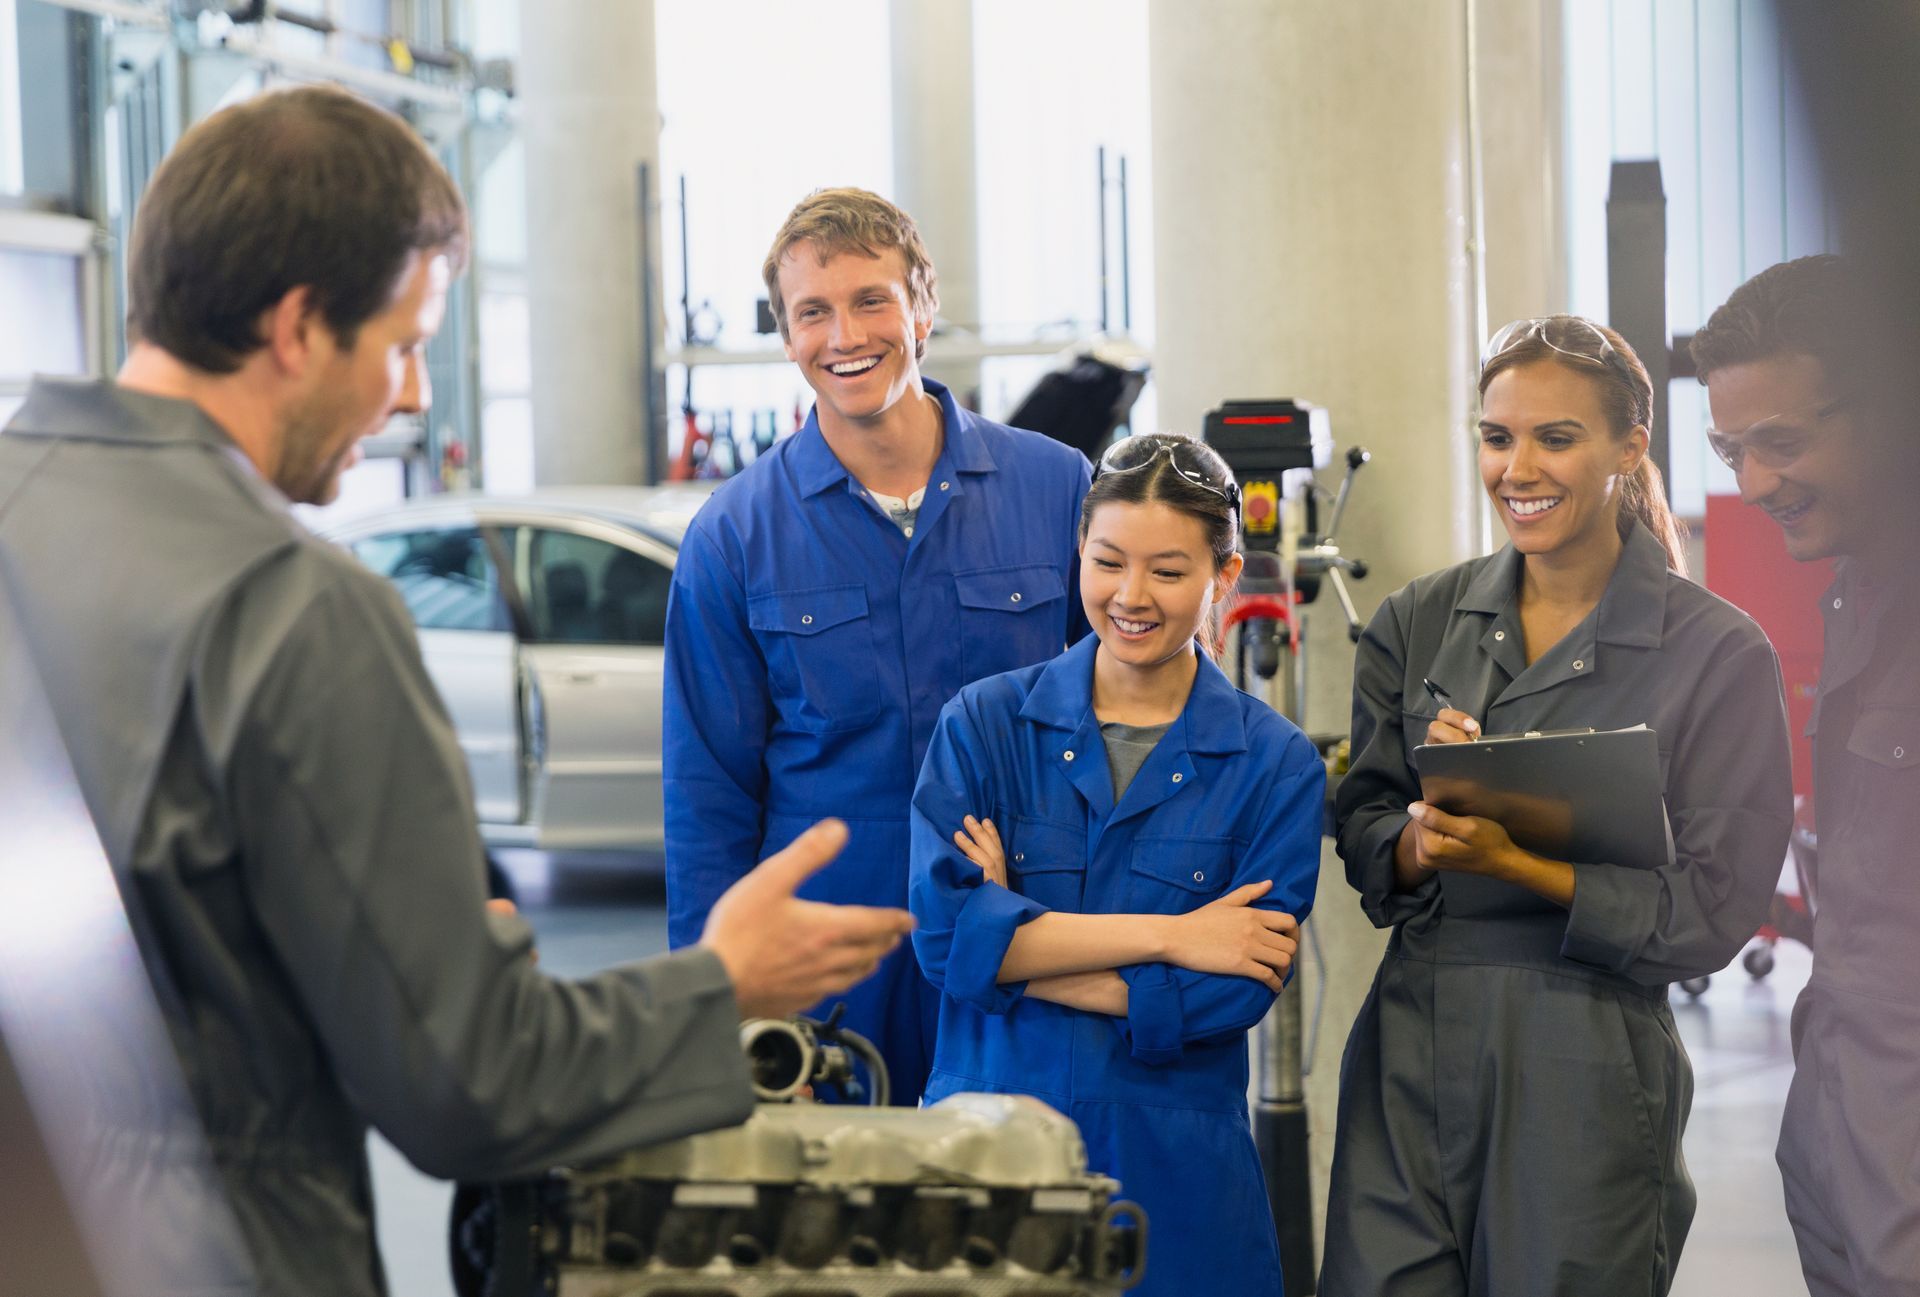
[(542, 619)]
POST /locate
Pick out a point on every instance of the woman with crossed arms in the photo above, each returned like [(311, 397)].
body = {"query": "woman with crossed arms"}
[(1111, 852)]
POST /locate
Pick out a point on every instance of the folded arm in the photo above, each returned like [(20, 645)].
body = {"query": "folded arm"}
[(1171, 1007)]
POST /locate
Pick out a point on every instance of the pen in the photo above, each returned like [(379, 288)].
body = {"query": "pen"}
[(1440, 697)]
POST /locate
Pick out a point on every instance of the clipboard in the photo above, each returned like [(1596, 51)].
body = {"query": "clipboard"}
[(1582, 796)]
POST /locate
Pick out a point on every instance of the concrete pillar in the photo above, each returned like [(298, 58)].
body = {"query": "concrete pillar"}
[(1522, 125), (1311, 239), (590, 116), (1314, 238), (1519, 117), (933, 162)]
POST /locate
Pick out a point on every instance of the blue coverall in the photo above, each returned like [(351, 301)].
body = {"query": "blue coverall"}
[(810, 647), (1230, 795)]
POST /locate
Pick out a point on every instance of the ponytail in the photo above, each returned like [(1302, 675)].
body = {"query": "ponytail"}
[(1212, 639), (1643, 499)]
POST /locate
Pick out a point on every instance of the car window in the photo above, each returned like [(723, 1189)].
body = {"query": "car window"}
[(583, 590), (446, 576)]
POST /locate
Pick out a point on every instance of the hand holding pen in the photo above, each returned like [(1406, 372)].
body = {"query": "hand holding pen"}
[(1452, 725), (1434, 839)]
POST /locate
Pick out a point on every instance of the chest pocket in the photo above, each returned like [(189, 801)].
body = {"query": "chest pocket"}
[(820, 651), (1174, 875), (1889, 737), (1010, 617), (1048, 863), (1866, 797)]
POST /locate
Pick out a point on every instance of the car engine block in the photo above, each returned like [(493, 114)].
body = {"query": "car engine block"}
[(978, 1194)]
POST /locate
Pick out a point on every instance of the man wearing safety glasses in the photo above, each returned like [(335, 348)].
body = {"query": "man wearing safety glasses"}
[(1783, 365)]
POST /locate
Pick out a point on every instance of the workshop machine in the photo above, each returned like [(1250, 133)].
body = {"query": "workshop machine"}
[(1273, 448), (978, 1194)]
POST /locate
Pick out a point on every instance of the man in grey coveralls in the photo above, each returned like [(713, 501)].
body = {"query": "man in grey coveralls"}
[(272, 776), (1790, 369)]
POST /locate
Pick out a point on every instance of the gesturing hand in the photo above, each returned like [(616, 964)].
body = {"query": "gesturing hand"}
[(1231, 936), (507, 909), (979, 842), (782, 953)]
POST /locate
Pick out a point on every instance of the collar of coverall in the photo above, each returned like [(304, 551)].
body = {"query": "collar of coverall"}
[(98, 409), (1633, 610), (1062, 699), (817, 469)]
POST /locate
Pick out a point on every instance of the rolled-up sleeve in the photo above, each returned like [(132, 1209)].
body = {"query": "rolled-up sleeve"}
[(1370, 808), (1169, 1008), (1730, 803), (964, 923)]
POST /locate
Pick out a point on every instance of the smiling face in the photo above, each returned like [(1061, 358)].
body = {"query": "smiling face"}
[(1147, 581), (1821, 487), (852, 329), (1550, 459), (353, 391)]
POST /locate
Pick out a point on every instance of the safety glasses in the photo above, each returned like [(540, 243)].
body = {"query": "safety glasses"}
[(1132, 453), (1570, 335), (1774, 442)]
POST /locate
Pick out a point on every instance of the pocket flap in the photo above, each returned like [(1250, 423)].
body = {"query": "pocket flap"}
[(1887, 736), (807, 612), (1009, 589), (1196, 864), (1038, 847)]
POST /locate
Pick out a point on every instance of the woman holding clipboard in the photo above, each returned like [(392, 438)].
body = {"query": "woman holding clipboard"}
[(1513, 1093), (1111, 852)]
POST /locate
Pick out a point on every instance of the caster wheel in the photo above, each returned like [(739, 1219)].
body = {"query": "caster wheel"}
[(1758, 962), (1694, 986)]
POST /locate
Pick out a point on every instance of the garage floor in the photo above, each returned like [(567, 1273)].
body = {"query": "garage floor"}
[(1736, 1034)]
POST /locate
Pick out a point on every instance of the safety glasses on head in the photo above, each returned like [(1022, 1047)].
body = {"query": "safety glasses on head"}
[(1776, 441), (1570, 335), (1190, 460)]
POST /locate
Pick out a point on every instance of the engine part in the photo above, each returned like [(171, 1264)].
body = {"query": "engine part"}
[(978, 1194), (792, 1058)]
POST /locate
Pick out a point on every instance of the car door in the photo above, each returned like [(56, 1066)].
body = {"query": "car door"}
[(448, 578), (595, 597)]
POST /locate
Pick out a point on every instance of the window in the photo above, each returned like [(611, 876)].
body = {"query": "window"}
[(446, 576), (583, 590), (1704, 90), (47, 282), (12, 140)]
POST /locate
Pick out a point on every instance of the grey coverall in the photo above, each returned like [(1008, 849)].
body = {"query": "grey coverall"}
[(1850, 1141), (289, 821), (1513, 1093)]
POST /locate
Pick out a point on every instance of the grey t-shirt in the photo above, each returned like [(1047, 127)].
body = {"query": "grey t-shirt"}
[(1127, 749)]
